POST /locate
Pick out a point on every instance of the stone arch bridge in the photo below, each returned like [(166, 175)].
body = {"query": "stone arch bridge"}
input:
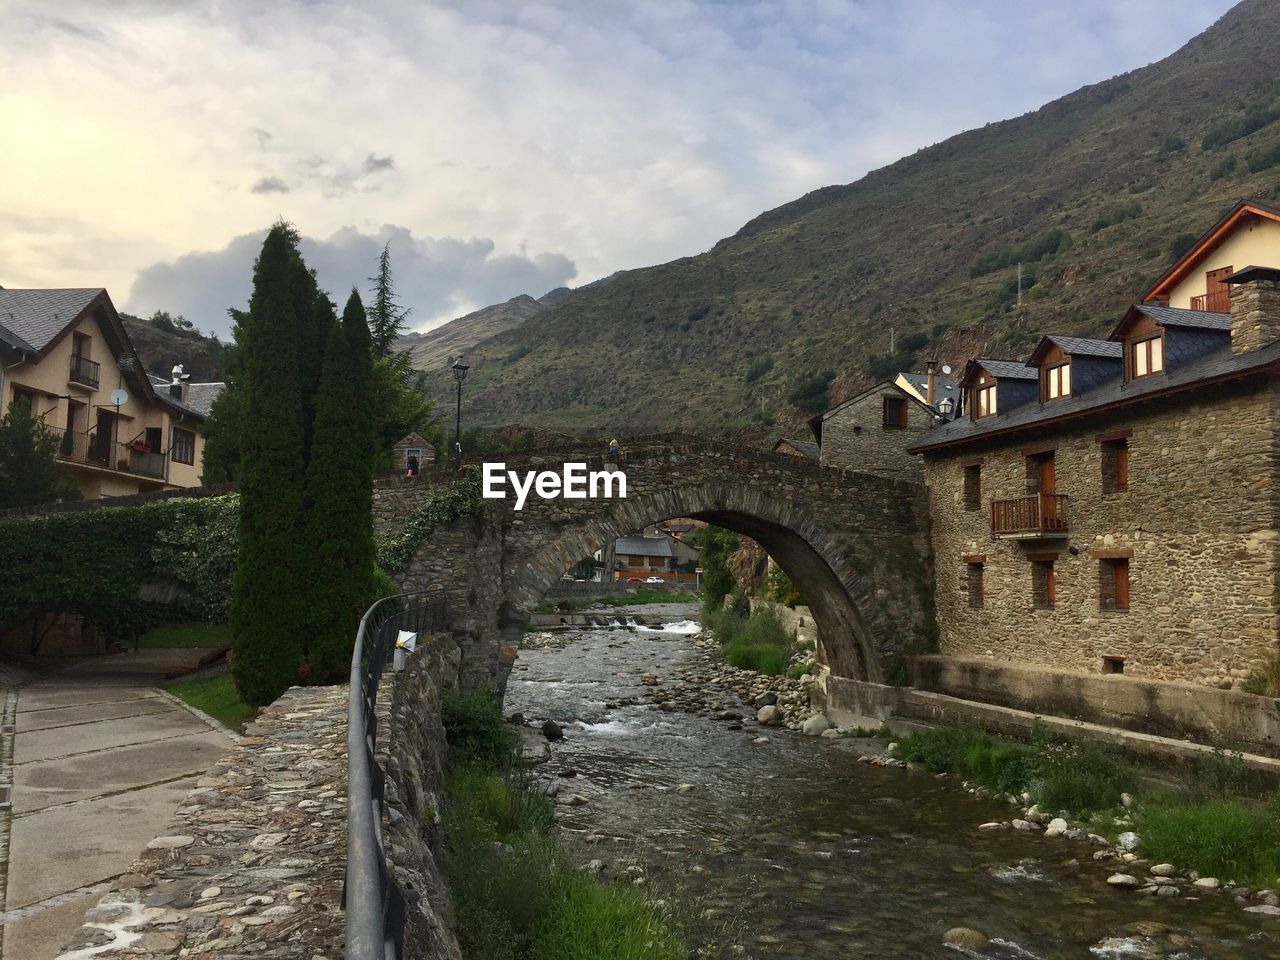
[(855, 544)]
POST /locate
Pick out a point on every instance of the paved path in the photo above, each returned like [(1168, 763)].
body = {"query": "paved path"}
[(99, 760)]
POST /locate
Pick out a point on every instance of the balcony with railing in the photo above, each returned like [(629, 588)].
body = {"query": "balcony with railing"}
[(100, 452), (1040, 516), (84, 371), (1218, 301)]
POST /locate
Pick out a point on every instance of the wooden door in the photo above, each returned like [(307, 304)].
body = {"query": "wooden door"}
[(1217, 295), (1049, 519)]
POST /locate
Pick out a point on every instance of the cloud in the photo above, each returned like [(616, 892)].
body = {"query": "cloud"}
[(437, 277), (374, 163), (270, 185)]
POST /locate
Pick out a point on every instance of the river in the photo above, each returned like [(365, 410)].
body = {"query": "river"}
[(793, 849)]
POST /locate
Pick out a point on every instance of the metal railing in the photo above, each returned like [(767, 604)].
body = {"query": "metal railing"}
[(1041, 514), (95, 449), (84, 370), (374, 902)]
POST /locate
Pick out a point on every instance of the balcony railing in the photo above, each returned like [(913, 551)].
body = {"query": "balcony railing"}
[(1041, 515), (84, 370), (99, 450), (1219, 301)]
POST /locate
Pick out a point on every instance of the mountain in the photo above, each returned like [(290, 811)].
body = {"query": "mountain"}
[(437, 348), (160, 343), (1094, 193)]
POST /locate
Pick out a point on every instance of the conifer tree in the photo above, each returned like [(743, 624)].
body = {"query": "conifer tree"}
[(273, 584), (29, 470), (386, 316), (340, 491)]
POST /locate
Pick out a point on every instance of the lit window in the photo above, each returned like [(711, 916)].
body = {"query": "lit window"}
[(985, 405), (1148, 356), (1058, 381)]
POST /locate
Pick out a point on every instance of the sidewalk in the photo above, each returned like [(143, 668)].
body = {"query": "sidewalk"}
[(100, 761)]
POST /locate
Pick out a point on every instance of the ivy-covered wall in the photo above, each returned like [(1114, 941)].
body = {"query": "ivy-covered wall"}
[(95, 564)]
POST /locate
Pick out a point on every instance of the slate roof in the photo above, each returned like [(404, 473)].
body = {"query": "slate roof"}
[(1008, 369), (1177, 317), (1087, 347), (36, 317), (942, 386), (200, 396), (643, 547), (1219, 363), (807, 447)]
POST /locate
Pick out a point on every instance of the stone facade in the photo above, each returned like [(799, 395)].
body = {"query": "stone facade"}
[(854, 542), (855, 435), (412, 445), (1255, 314), (1197, 526)]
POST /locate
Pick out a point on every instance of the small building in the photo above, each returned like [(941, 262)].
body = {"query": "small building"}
[(1109, 505), (65, 354), (412, 454), (640, 555), (804, 449), (872, 431)]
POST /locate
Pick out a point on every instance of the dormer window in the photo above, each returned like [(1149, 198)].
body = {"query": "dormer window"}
[(1057, 381), (1147, 356), (984, 397)]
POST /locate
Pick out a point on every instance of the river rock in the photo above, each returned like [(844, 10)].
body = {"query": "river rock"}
[(1265, 909), (1056, 828), (1125, 881), (1163, 870), (832, 734), (767, 699), (552, 730), (816, 725), (992, 825), (966, 938), (1167, 891), (683, 789), (1127, 840), (1026, 826), (1208, 883), (769, 715)]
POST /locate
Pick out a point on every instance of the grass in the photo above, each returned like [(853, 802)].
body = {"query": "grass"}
[(175, 635), (517, 894), (1211, 825), (217, 696), (756, 642)]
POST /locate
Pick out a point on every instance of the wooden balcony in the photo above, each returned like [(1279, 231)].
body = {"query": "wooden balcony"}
[(83, 371), (1219, 301), (1042, 516)]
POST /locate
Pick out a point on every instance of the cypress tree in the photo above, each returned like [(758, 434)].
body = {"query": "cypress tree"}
[(339, 487), (273, 585)]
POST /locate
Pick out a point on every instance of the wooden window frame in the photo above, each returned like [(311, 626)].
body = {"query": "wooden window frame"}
[(1047, 377), (1115, 465), (1114, 585), (176, 448), (1044, 596), (982, 390), (1131, 356), (975, 584), (900, 421)]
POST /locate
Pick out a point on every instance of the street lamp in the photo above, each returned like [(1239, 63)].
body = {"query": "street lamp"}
[(459, 373)]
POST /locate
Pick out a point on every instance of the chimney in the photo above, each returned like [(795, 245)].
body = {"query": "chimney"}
[(931, 373), (1255, 308)]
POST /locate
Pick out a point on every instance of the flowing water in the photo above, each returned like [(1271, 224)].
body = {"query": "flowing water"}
[(799, 851)]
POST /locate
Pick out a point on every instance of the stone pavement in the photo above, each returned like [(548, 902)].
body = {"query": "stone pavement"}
[(99, 759)]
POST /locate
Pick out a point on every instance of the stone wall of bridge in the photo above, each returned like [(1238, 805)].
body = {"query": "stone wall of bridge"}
[(855, 544)]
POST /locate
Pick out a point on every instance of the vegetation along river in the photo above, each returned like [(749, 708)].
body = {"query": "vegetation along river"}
[(793, 849)]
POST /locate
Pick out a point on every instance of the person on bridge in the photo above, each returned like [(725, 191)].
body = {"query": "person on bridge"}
[(615, 451)]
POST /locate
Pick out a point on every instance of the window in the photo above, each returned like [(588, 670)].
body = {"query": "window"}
[(1148, 356), (1113, 664), (23, 395), (183, 447), (1115, 465), (984, 397), (80, 345), (895, 413), (1113, 585), (973, 583), (1057, 381), (973, 486), (1044, 592)]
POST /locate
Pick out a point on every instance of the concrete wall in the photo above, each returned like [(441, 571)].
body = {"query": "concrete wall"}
[(1199, 517), (854, 436)]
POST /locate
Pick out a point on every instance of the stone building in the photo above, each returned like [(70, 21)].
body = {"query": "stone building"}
[(1111, 505), (872, 431), (412, 454)]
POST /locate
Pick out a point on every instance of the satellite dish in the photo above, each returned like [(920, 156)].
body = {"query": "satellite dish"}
[(119, 397), (946, 369)]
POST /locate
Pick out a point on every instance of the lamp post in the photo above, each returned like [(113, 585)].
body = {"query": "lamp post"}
[(459, 374)]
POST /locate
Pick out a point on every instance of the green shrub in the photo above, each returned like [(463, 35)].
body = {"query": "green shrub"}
[(1265, 679), (444, 505), (475, 731), (810, 394), (1228, 839), (1224, 167), (739, 603), (758, 367), (757, 642), (779, 588), (591, 921)]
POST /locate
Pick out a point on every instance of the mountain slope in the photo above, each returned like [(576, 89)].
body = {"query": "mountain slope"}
[(1095, 193), (160, 347), (437, 348)]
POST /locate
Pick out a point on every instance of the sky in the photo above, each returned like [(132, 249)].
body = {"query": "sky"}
[(501, 147)]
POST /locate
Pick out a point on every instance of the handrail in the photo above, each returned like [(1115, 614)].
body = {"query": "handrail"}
[(374, 903), (1038, 513)]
